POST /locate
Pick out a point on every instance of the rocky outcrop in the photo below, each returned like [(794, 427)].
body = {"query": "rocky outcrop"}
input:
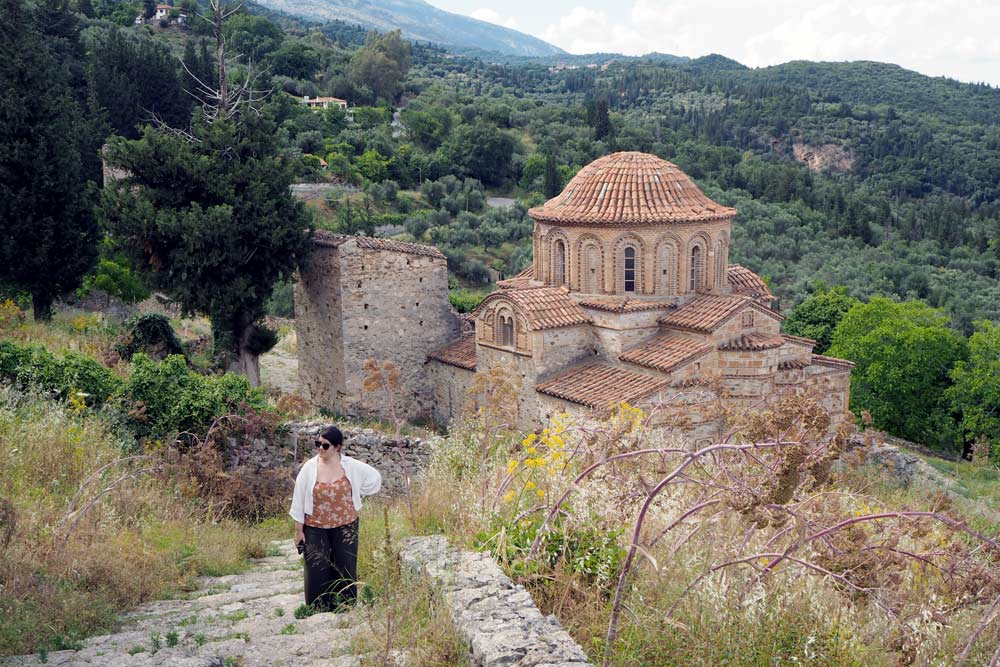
[(496, 617), (823, 157)]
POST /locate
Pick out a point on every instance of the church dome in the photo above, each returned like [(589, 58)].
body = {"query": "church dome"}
[(630, 188)]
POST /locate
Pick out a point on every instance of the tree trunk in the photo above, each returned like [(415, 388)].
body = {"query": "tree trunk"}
[(41, 305), (244, 359)]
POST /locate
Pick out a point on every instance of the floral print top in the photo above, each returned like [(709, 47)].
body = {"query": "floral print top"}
[(333, 505)]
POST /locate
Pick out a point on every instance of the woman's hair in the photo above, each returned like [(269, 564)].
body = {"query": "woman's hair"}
[(333, 435)]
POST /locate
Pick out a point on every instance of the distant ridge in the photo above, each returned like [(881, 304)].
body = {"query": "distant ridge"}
[(419, 21)]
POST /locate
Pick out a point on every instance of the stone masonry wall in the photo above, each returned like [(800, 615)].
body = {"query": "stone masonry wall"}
[(395, 308), (319, 339), (496, 617)]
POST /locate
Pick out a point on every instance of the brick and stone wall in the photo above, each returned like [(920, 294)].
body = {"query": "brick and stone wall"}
[(354, 303)]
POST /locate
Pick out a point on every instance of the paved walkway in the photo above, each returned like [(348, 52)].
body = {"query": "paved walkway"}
[(244, 620)]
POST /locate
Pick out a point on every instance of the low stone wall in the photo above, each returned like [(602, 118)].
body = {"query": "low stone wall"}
[(295, 445), (496, 617)]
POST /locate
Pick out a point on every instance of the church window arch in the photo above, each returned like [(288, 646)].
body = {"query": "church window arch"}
[(721, 251), (665, 272), (630, 265), (695, 270), (559, 262)]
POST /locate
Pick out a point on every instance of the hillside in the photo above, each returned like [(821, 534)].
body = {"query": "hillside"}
[(419, 21)]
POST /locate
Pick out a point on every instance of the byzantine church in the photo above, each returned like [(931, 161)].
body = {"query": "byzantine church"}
[(631, 297)]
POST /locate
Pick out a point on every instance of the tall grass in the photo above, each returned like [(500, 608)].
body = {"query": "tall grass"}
[(140, 540)]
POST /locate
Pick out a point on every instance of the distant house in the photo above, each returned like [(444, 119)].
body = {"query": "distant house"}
[(162, 12), (322, 102)]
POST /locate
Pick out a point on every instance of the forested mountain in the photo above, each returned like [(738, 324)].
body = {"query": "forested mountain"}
[(419, 21)]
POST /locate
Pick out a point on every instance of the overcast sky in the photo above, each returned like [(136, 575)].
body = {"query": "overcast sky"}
[(956, 38)]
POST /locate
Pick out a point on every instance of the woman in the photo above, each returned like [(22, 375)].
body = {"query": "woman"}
[(325, 507)]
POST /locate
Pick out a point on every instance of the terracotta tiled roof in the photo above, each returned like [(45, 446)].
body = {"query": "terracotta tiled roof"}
[(789, 364), (624, 305), (321, 237), (600, 385), (745, 281), (523, 279), (799, 340), (630, 188), (545, 307), (705, 312), (665, 353), (823, 360), (461, 353), (753, 341)]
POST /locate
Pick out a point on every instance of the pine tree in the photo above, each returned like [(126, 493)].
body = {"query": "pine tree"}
[(48, 236), (208, 217), (86, 7)]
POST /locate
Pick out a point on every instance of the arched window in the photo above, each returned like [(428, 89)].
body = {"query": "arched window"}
[(591, 275), (666, 269), (559, 263), (505, 331), (629, 269), (694, 279)]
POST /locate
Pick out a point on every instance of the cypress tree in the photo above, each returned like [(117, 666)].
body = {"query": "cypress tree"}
[(48, 236), (553, 183)]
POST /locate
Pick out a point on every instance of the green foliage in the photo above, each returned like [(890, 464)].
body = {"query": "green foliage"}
[(252, 37), (465, 301), (46, 220), (282, 301), (593, 553), (818, 315), (150, 333), (115, 278), (304, 611), (212, 223), (975, 394), (481, 151), (382, 64), (33, 366), (372, 166), (904, 353), (168, 396)]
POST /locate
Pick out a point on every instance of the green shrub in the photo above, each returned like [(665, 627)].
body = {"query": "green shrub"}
[(465, 301), (150, 333), (33, 365), (168, 396)]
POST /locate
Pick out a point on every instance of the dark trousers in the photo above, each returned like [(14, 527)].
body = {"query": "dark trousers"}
[(331, 564)]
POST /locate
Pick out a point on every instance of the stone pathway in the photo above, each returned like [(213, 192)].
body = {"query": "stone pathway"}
[(243, 620)]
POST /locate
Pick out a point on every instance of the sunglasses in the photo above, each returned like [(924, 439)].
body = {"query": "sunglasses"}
[(319, 443)]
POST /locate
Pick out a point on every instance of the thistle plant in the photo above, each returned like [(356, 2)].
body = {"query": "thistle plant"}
[(768, 481)]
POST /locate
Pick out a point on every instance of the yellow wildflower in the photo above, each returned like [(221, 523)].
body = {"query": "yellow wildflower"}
[(530, 486), (532, 450), (540, 493), (508, 497)]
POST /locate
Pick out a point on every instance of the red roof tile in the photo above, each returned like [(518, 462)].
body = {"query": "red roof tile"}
[(665, 353), (624, 305), (745, 281), (789, 364), (461, 353), (600, 385), (545, 307), (799, 340), (823, 360), (523, 279), (707, 312), (630, 188), (753, 341)]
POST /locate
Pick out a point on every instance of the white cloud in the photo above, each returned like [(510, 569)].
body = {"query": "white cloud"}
[(494, 17), (955, 38)]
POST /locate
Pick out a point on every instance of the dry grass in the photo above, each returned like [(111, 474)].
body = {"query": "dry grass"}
[(792, 616), (403, 612), (140, 540)]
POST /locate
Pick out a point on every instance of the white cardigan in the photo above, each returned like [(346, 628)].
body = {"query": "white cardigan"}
[(365, 481)]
